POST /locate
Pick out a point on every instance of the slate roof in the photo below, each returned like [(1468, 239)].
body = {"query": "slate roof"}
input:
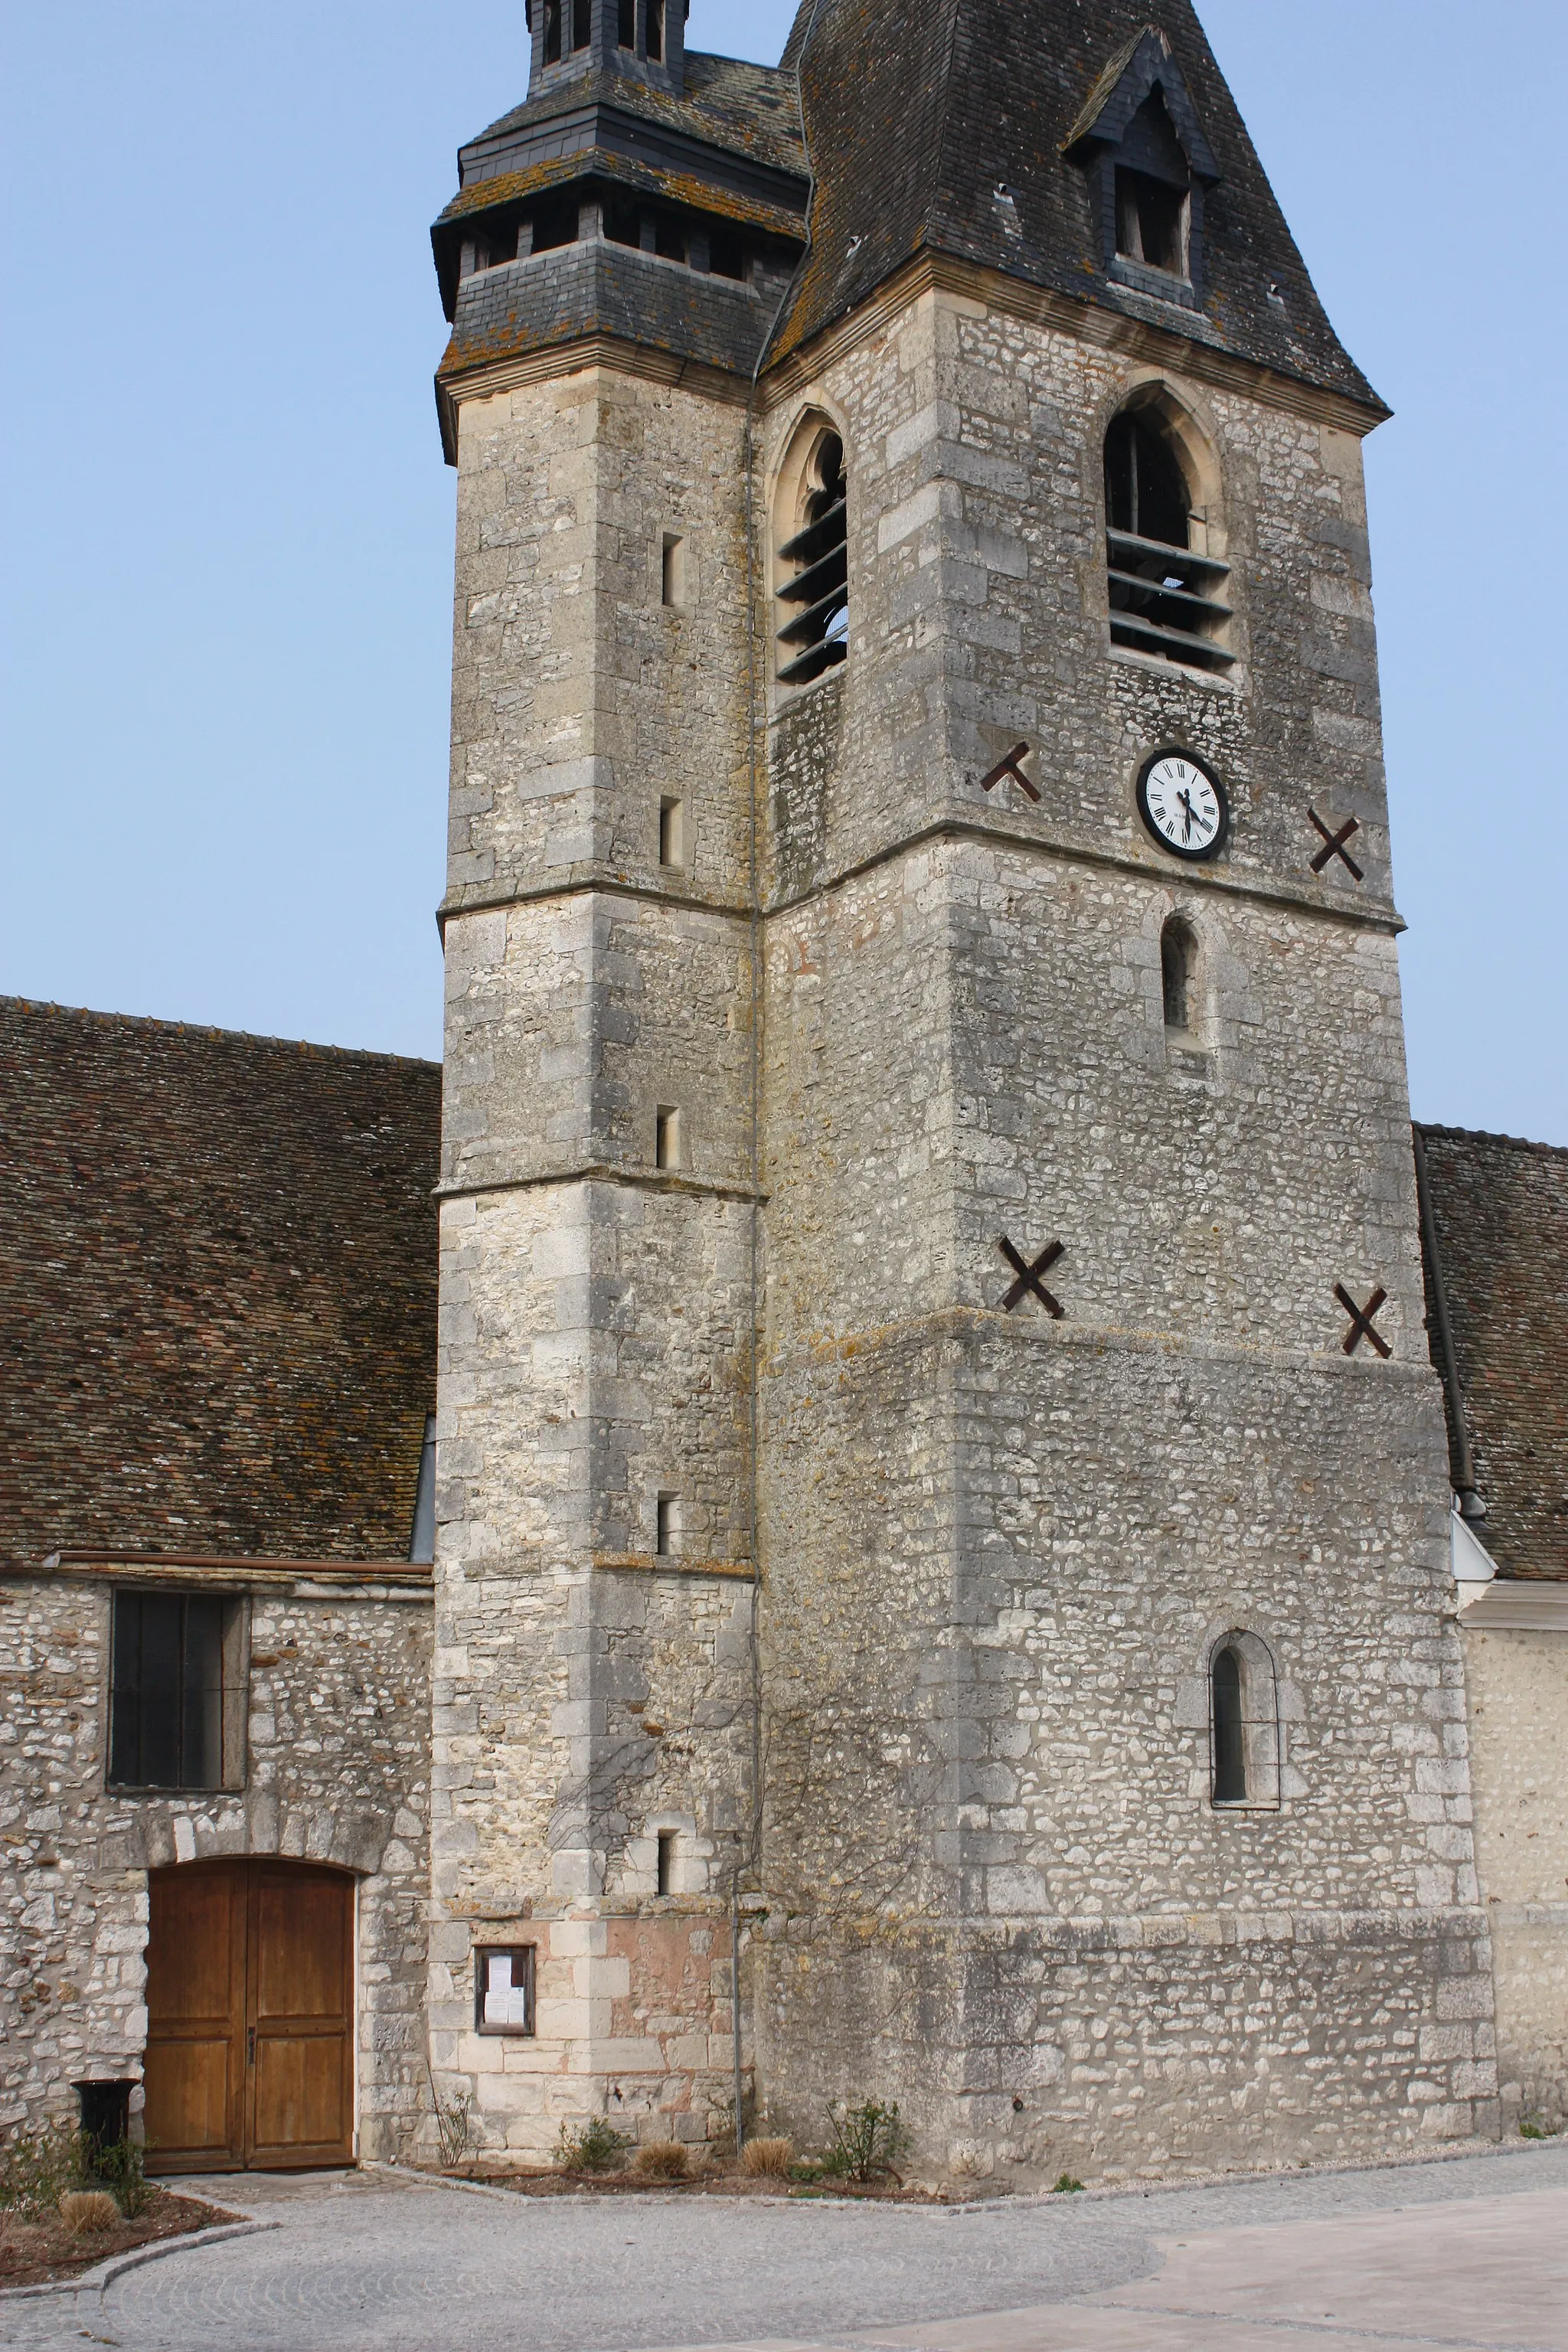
[(1500, 1208), (747, 110), (916, 111), (218, 1289)]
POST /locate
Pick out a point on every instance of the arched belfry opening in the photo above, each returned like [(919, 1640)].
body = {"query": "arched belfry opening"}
[(1166, 587), (811, 523)]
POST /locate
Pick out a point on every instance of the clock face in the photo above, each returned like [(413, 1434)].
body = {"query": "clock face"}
[(1183, 804)]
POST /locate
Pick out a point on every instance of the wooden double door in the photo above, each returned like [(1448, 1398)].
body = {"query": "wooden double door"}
[(249, 2017)]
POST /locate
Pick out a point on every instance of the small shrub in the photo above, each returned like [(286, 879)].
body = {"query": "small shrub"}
[(1068, 2187), (663, 2159), (82, 2210), (122, 2169), (598, 2146), (1531, 2127), (868, 2140), (769, 2159), (454, 2120), (806, 2171), (38, 2168)]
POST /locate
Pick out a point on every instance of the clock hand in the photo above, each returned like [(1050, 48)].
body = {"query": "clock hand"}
[(1186, 800)]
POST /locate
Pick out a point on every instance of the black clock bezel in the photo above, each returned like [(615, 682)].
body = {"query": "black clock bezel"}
[(1211, 850)]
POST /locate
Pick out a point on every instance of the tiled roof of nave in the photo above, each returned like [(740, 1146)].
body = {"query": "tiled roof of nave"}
[(218, 1289), (1500, 1208)]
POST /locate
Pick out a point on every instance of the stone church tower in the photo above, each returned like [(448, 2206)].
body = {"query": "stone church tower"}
[(939, 1464)]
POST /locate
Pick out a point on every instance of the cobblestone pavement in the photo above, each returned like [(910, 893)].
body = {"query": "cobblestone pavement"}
[(1468, 2253)]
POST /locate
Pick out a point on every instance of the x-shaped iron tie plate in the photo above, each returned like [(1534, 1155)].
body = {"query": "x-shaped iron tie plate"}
[(1029, 1276), (1334, 844), (1009, 767), (1360, 1321)]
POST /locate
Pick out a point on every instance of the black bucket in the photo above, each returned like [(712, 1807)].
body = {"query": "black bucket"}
[(105, 2111)]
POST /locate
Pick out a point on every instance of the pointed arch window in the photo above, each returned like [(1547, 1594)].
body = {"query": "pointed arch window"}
[(814, 560), (1166, 595)]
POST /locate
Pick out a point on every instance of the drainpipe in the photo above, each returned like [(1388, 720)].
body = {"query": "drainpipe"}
[(1472, 1510)]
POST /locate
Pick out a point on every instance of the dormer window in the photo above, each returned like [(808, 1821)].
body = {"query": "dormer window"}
[(1149, 162), (1151, 218)]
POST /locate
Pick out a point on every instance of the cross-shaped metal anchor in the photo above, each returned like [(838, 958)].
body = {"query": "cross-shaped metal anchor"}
[(1361, 1320), (1334, 844), (1029, 1276), (1009, 767)]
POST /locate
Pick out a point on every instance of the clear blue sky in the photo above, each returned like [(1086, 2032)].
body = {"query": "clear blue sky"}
[(228, 524)]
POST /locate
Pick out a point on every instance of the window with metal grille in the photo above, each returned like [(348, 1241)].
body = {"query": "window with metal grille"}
[(815, 559), (1165, 595), (174, 1712)]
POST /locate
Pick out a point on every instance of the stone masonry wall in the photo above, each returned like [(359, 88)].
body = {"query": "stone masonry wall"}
[(1519, 1737), (336, 1771), (999, 1550), (593, 1690)]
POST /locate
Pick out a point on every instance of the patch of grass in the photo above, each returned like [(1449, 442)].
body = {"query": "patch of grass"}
[(595, 2146), (1068, 2187), (769, 2159), (1531, 2127), (663, 2159), (85, 2209), (868, 2140)]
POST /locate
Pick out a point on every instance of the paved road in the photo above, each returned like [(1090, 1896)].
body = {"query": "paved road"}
[(1466, 2255)]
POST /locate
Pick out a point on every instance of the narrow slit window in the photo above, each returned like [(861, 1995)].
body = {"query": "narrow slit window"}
[(666, 1136), (582, 13), (664, 1526), (1230, 1729), (665, 1879), (656, 30), (1178, 958), (626, 24), (172, 1700), (1165, 595), (675, 569), (503, 1989), (673, 833), (815, 634), (553, 32)]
